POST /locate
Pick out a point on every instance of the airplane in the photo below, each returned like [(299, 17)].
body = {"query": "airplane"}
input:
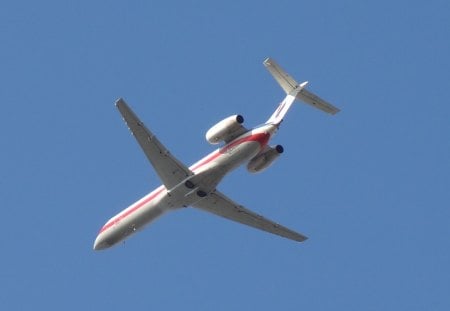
[(196, 186)]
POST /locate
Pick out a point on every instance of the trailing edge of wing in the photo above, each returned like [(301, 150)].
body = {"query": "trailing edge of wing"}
[(217, 203), (169, 169)]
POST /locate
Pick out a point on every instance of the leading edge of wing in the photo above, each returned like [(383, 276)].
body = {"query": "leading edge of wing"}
[(169, 169), (219, 204)]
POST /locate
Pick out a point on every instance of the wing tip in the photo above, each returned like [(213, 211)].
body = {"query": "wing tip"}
[(303, 238), (120, 101), (267, 62), (297, 237)]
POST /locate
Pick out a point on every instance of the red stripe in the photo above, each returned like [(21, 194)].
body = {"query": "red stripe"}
[(132, 210), (208, 159), (262, 138)]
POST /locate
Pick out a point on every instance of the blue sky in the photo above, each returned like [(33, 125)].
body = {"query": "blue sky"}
[(369, 186)]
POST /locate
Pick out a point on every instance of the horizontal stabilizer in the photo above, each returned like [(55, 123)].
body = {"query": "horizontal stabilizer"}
[(315, 101), (299, 91), (287, 83)]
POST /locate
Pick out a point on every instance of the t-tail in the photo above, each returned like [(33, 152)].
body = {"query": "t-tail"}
[(293, 91)]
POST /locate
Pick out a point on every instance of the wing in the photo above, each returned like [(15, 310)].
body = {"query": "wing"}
[(169, 169), (217, 203)]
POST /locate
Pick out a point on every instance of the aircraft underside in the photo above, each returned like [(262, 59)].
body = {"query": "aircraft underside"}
[(196, 186)]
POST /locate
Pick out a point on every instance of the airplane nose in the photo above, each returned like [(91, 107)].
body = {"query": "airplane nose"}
[(100, 243)]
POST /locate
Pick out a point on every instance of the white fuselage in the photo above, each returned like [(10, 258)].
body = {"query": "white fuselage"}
[(208, 172)]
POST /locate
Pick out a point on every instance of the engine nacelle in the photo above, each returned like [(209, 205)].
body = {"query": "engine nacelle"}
[(224, 129), (264, 159)]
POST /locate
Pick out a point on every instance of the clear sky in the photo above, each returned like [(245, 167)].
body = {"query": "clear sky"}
[(369, 186)]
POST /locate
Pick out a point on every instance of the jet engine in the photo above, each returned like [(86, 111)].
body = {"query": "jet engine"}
[(264, 159), (225, 129)]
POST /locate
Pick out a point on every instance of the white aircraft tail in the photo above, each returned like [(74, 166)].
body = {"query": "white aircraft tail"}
[(294, 91)]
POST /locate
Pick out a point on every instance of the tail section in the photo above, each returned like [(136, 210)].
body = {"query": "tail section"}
[(294, 91), (277, 117), (287, 83)]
